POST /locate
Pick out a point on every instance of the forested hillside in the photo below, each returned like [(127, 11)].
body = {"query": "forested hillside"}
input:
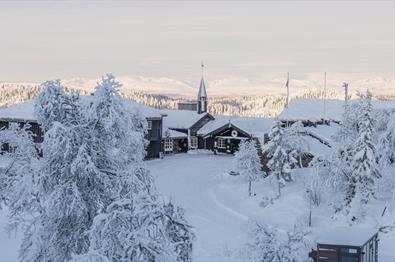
[(257, 106)]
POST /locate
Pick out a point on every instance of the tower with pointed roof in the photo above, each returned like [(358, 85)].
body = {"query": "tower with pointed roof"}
[(202, 96)]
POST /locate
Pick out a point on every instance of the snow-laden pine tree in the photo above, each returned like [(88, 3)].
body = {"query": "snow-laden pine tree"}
[(269, 244), (278, 163), (17, 179), (361, 188), (54, 105), (386, 145), (139, 226), (248, 163), (285, 149), (91, 154), (136, 225)]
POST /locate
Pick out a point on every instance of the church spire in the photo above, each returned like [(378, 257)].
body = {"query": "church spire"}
[(202, 95)]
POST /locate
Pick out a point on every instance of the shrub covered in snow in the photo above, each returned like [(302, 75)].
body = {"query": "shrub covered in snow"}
[(269, 244), (248, 163)]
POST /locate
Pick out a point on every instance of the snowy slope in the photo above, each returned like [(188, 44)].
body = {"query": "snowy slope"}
[(218, 206)]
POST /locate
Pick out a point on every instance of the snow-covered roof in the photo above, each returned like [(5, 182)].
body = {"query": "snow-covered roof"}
[(350, 236), (313, 109), (326, 132), (169, 133), (25, 110), (316, 148), (174, 118), (21, 111), (252, 125), (182, 119)]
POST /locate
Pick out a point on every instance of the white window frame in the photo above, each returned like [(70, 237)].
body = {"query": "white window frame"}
[(194, 142), (221, 143), (168, 145), (149, 124)]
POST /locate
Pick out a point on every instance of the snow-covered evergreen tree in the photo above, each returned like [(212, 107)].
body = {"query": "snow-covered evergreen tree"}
[(248, 163), (386, 145), (353, 169), (17, 179), (285, 149), (54, 105), (365, 167), (140, 227), (268, 244)]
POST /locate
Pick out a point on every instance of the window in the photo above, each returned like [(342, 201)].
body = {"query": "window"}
[(149, 126), (194, 142), (11, 149), (168, 145), (221, 143)]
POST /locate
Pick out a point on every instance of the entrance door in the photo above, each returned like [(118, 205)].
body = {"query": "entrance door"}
[(349, 255)]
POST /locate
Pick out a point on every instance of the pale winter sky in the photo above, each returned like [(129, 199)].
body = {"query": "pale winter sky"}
[(250, 41)]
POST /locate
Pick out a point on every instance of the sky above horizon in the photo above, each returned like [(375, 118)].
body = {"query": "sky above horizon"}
[(253, 40)]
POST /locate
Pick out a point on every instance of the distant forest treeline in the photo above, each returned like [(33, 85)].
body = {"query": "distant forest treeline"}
[(254, 106)]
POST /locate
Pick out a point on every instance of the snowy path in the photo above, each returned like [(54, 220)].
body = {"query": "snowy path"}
[(219, 228)]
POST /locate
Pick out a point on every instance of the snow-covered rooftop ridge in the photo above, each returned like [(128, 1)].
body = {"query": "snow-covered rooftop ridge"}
[(351, 236), (313, 109), (252, 125)]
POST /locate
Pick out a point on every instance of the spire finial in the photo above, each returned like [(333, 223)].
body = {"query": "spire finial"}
[(202, 65)]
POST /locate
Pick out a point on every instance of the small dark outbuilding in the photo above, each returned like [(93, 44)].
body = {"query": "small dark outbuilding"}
[(347, 245)]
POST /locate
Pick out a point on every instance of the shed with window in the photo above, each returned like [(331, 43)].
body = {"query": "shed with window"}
[(351, 244)]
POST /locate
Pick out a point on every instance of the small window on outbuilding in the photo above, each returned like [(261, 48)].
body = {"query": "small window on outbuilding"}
[(149, 124), (168, 145)]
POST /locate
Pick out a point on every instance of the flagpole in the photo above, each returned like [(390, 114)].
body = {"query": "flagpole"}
[(324, 96), (287, 90)]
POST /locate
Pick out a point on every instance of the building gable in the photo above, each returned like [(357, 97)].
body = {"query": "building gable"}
[(227, 131)]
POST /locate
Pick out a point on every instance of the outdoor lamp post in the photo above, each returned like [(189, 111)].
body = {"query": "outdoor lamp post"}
[(308, 191)]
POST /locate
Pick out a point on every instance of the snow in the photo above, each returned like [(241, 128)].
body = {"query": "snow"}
[(312, 109), (218, 207)]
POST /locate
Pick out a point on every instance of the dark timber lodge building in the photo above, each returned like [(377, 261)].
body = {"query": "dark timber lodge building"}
[(190, 127)]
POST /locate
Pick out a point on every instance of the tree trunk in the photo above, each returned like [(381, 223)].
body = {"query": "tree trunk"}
[(249, 188)]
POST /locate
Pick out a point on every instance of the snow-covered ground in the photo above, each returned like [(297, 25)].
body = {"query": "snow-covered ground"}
[(218, 207)]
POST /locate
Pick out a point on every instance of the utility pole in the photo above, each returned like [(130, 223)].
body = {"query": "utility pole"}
[(345, 85), (287, 102)]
